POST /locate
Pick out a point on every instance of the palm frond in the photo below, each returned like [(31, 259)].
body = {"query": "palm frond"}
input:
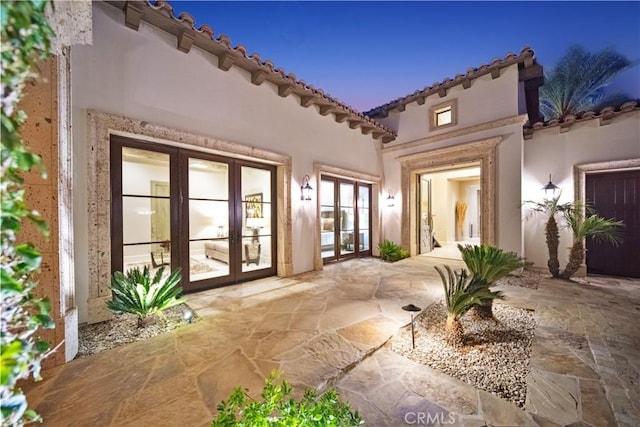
[(461, 292), (549, 207), (585, 223), (602, 230), (577, 83), (489, 264)]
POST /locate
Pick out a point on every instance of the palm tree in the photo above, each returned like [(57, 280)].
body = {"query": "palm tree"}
[(577, 83), (461, 294), (551, 207), (488, 264), (593, 226)]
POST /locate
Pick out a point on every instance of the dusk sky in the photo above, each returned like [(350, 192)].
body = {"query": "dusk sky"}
[(368, 53)]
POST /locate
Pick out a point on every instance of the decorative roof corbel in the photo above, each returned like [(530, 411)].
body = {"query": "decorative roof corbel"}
[(185, 40), (132, 15), (225, 61)]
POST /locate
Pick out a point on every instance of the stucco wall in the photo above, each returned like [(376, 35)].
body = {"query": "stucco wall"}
[(489, 108), (486, 100), (143, 76), (555, 153)]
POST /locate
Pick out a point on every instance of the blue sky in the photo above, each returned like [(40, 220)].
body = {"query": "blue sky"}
[(367, 53)]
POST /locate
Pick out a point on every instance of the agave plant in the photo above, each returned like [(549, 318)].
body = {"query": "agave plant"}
[(461, 293), (145, 296), (593, 226), (488, 264)]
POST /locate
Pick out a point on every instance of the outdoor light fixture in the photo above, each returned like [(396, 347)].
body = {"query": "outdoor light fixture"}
[(390, 200), (305, 188), (550, 187), (412, 309), (187, 315)]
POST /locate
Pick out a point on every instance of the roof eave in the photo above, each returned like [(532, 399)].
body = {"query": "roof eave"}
[(529, 70), (160, 15)]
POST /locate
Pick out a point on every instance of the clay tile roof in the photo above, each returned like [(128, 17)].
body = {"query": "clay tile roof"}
[(526, 58), (161, 14), (606, 115)]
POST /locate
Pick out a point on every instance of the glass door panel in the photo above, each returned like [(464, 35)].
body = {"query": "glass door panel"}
[(344, 219), (257, 220), (208, 211), (347, 219), (327, 219), (425, 219), (146, 213), (364, 213)]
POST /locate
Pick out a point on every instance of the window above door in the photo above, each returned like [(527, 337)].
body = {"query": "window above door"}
[(443, 115)]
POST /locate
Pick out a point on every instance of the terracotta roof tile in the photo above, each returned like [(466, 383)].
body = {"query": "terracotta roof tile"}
[(526, 57), (605, 115), (161, 14)]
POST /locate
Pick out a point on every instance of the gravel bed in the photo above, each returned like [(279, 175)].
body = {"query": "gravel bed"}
[(123, 329), (495, 357), (526, 279)]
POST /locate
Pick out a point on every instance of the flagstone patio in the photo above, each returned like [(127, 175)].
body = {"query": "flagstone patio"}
[(329, 328)]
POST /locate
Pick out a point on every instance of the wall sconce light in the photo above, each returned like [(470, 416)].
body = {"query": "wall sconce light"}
[(391, 201), (305, 188), (550, 187)]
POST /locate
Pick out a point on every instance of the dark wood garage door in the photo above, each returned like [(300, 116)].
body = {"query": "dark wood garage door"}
[(615, 195)]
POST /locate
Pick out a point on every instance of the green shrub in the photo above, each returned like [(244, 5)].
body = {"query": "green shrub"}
[(391, 252), (461, 293), (25, 40), (140, 294), (489, 264), (278, 408)]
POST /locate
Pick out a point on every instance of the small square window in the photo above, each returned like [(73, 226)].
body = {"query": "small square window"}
[(443, 115)]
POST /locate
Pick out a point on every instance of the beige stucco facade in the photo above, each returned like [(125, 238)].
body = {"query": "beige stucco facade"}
[(142, 82), (588, 146)]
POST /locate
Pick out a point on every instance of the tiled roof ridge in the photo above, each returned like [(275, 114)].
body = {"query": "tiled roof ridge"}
[(526, 55), (605, 114), (327, 103)]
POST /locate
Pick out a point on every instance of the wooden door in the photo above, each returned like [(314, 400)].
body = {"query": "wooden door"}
[(615, 195)]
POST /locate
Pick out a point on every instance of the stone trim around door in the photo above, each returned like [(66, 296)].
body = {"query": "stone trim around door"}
[(481, 152), (579, 172), (320, 169), (579, 183), (101, 126)]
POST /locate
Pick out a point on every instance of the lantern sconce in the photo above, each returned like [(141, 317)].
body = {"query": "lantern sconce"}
[(391, 201), (550, 187), (305, 188)]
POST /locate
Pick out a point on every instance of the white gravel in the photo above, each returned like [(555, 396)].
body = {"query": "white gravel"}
[(526, 279), (123, 329), (495, 357)]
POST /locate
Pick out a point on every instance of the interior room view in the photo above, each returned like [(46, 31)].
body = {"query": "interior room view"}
[(449, 211), (209, 227), (345, 218)]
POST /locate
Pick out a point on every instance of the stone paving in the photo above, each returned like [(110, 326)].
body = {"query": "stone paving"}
[(329, 329)]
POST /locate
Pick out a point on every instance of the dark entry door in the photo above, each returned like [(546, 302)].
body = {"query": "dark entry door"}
[(615, 195)]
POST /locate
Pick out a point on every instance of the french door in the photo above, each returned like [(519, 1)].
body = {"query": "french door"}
[(211, 216), (345, 218)]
